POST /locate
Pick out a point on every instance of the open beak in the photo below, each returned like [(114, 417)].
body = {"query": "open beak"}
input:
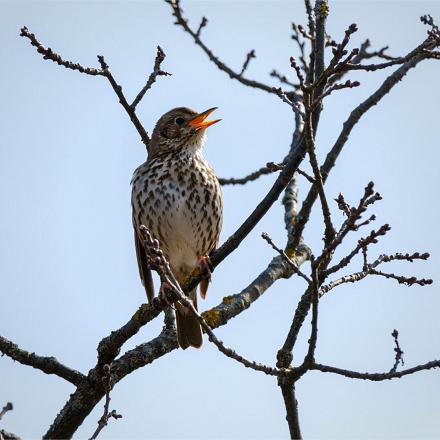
[(199, 121)]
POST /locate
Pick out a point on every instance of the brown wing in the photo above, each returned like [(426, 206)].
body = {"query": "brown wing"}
[(144, 270)]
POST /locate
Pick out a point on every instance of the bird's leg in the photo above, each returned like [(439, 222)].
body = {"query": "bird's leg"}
[(206, 269)]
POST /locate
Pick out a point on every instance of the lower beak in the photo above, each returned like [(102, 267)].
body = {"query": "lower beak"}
[(199, 121)]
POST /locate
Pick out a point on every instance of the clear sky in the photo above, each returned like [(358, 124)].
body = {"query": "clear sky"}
[(68, 273)]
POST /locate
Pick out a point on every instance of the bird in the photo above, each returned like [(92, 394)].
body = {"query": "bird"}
[(177, 197)]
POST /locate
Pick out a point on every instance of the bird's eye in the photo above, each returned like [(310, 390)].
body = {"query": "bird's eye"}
[(179, 121)]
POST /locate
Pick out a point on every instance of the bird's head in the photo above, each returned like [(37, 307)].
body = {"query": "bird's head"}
[(180, 128)]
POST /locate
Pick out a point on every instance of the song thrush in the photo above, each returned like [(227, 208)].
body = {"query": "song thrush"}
[(176, 195)]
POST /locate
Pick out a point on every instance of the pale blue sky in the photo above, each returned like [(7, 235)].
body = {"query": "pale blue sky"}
[(68, 271)]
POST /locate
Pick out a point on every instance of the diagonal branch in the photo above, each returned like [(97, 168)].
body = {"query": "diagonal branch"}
[(152, 78), (49, 54), (183, 22), (123, 101), (167, 277), (48, 365)]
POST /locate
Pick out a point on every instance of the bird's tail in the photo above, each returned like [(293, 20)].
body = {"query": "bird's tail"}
[(189, 332)]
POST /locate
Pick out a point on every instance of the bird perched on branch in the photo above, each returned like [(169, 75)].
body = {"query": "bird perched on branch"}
[(176, 195)]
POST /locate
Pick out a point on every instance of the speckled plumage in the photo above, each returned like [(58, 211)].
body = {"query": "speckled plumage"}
[(176, 195)]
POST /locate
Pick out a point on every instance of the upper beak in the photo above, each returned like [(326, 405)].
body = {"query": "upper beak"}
[(199, 121)]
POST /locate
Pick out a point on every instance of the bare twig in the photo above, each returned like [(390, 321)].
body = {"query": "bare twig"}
[(183, 23), (249, 56), (283, 79), (370, 269), (310, 143), (48, 365), (408, 281), (202, 24), (348, 126), (263, 171), (152, 78), (5, 409), (107, 414), (399, 352), (123, 101), (286, 258), (49, 54), (296, 106), (376, 377)]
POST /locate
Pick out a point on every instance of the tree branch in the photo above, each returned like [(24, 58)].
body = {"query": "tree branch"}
[(348, 126), (5, 435), (48, 365), (291, 405), (263, 171), (376, 377), (152, 78), (5, 409), (183, 22), (48, 54)]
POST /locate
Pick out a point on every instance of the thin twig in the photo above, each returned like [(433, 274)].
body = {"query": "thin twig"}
[(123, 101), (107, 414), (249, 56), (263, 171), (283, 79), (183, 23), (160, 56), (286, 258), (399, 352), (8, 407), (49, 54), (310, 143), (376, 377)]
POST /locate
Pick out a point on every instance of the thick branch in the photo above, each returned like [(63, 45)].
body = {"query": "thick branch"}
[(48, 365), (291, 405), (162, 267), (84, 399), (5, 435)]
